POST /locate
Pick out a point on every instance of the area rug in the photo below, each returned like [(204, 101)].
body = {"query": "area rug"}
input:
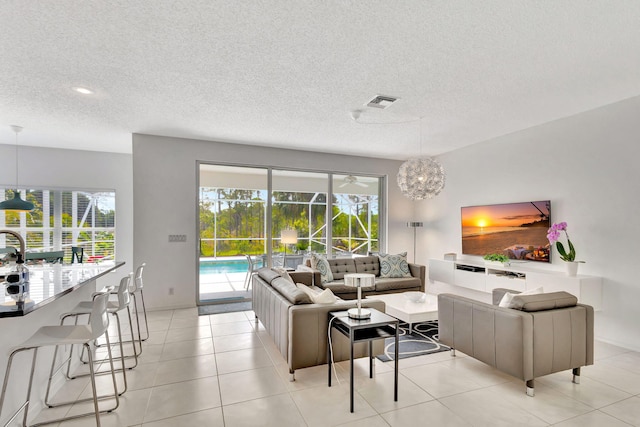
[(204, 310), (423, 340)]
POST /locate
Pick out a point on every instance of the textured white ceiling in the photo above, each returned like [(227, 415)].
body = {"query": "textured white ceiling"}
[(287, 73)]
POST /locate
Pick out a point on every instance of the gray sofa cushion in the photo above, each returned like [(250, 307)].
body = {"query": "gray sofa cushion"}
[(290, 291), (385, 284), (545, 301), (341, 266), (368, 264)]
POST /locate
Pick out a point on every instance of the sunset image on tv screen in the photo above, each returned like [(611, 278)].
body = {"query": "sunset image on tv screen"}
[(517, 230)]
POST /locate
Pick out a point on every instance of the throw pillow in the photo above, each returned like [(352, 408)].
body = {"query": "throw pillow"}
[(394, 266), (307, 290), (507, 298), (320, 263), (324, 297), (283, 273)]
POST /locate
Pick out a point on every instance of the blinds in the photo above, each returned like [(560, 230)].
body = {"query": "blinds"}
[(62, 219)]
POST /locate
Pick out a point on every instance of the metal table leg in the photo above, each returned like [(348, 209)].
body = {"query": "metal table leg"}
[(351, 369), (370, 359), (329, 358), (395, 385)]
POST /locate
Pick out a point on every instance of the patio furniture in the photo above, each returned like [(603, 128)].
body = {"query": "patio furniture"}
[(254, 266), (49, 257), (293, 261), (77, 254)]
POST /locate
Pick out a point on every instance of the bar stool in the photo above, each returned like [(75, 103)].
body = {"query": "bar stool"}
[(84, 308), (59, 335), (137, 287)]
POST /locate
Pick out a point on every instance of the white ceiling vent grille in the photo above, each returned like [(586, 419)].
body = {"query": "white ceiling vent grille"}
[(381, 101)]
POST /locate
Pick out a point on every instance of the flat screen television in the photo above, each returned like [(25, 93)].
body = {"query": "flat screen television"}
[(517, 230)]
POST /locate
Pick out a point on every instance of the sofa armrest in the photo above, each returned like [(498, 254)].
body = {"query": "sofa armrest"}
[(308, 332), (419, 271), (304, 277)]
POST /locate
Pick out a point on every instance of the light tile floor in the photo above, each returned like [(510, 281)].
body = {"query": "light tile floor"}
[(224, 370)]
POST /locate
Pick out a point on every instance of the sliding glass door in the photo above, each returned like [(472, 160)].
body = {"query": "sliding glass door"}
[(251, 217), (232, 214)]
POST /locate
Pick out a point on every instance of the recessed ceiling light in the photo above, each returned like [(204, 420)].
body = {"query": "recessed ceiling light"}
[(83, 90)]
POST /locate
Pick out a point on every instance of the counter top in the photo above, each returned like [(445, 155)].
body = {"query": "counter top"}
[(50, 282)]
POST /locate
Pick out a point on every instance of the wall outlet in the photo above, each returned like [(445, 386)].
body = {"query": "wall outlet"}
[(177, 238), (171, 291)]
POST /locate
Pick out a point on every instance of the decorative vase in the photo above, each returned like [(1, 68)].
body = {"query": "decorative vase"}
[(572, 268)]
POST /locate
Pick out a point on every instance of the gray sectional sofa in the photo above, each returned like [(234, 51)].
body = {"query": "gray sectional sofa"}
[(299, 327), (369, 264)]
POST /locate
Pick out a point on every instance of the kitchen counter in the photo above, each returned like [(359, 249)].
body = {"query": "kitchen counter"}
[(49, 282)]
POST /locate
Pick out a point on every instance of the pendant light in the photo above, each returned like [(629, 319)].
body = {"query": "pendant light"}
[(16, 204), (421, 178)]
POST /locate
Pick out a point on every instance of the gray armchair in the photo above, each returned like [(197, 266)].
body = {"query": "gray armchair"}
[(543, 334)]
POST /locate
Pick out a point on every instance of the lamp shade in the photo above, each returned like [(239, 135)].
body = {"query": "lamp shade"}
[(16, 204), (356, 280), (289, 237)]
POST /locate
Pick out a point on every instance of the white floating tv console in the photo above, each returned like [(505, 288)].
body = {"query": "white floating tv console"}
[(520, 277)]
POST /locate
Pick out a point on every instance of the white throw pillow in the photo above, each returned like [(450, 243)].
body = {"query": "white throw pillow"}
[(283, 273), (508, 296), (324, 297)]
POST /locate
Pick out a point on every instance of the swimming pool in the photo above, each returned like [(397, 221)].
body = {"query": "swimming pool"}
[(224, 265)]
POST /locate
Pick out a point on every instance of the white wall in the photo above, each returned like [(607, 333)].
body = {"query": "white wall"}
[(587, 165), (165, 203)]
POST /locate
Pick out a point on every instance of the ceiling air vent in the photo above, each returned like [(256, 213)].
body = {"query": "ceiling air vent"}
[(381, 101)]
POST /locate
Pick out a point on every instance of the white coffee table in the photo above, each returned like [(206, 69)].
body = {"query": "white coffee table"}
[(400, 307)]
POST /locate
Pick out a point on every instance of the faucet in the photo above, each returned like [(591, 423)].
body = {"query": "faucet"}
[(21, 254), (17, 282)]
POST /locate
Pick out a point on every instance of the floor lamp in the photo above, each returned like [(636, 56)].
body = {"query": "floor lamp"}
[(415, 225), (288, 237)]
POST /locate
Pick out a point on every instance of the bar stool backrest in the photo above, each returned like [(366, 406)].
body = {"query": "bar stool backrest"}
[(124, 297), (138, 280), (99, 317)]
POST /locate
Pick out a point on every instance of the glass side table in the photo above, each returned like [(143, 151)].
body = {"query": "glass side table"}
[(378, 326)]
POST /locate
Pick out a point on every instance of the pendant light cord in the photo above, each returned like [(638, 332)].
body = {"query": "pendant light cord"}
[(17, 130)]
